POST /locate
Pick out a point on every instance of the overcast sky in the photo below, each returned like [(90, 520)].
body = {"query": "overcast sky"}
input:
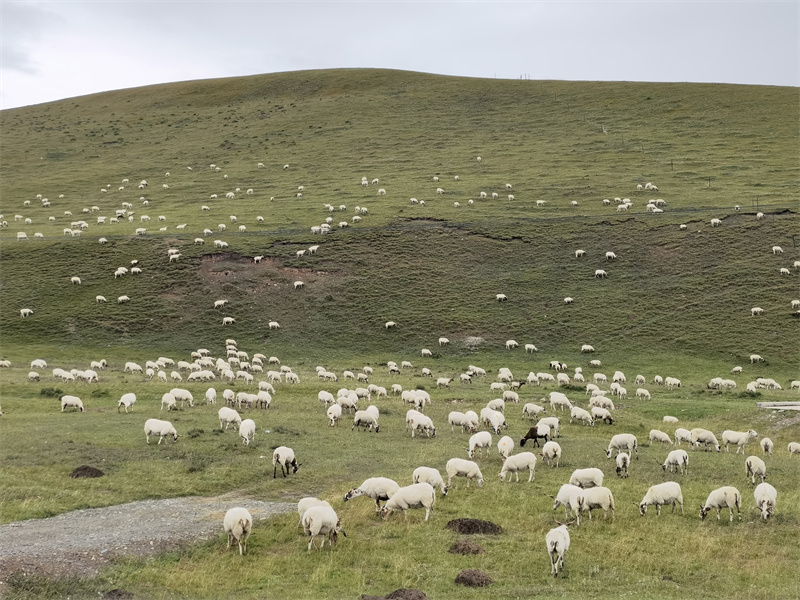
[(60, 49)]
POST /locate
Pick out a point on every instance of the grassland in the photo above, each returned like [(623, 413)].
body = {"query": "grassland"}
[(675, 303)]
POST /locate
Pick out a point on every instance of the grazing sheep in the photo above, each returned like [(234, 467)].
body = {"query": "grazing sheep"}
[(740, 438), (524, 461), (581, 414), (587, 478), (71, 401), (169, 401), (705, 437), (159, 428), (643, 394), (724, 497), (459, 467), (766, 496), (390, 324), (766, 445), (587, 348), (559, 400), (284, 457), (756, 311), (481, 440), (600, 273), (431, 476), (683, 435), (662, 494), (321, 521), (228, 416), (551, 453), (238, 523), (659, 436), (366, 418), (459, 419), (597, 497), (334, 413), (623, 441), (505, 447), (755, 467), (531, 409), (557, 542), (25, 312), (553, 423), (794, 447), (600, 413), (777, 250), (677, 460), (377, 488), (501, 298), (126, 401), (623, 463)]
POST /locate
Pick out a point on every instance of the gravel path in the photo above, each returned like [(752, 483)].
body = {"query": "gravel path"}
[(81, 542)]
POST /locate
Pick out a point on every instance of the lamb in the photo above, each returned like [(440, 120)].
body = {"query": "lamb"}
[(683, 435), (724, 497), (322, 521), (126, 401), (662, 494), (586, 478), (623, 463), (766, 445), (623, 441), (228, 416), (519, 462), (705, 437), (71, 401), (377, 488), (481, 440), (597, 497), (551, 453), (431, 476), (677, 460), (459, 467), (284, 457), (159, 428), (557, 542), (581, 414), (740, 438), (238, 523), (766, 496), (659, 436), (755, 467)]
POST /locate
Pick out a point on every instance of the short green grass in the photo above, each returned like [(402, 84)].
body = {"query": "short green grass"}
[(675, 303)]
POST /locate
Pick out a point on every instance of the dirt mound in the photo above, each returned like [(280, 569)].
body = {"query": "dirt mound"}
[(473, 526), (401, 594), (466, 547), (473, 578), (86, 472)]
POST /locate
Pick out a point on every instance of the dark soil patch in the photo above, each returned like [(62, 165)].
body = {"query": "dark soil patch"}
[(473, 578), (466, 547), (473, 526), (86, 472), (401, 594)]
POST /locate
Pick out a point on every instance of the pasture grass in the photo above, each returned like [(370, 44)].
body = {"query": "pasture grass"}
[(675, 303)]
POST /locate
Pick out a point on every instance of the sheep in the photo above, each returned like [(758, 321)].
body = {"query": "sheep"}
[(662, 494), (309, 502), (169, 401), (672, 383), (551, 453), (586, 478), (518, 462), (755, 467), (25, 312), (284, 457), (553, 423), (643, 394), (71, 401), (377, 488), (459, 467), (123, 299), (659, 436), (794, 447), (587, 348), (334, 413), (531, 409), (159, 428), (431, 476), (247, 431), (33, 376), (274, 325), (602, 414), (597, 497), (610, 256), (766, 445), (756, 311), (501, 298), (126, 401), (228, 416), (238, 523), (724, 497), (766, 496), (600, 273), (740, 438), (540, 430), (581, 415), (322, 521), (505, 446), (389, 324), (623, 463), (557, 399), (417, 495), (683, 435), (182, 396), (677, 460), (557, 542), (456, 418), (623, 441), (366, 418)]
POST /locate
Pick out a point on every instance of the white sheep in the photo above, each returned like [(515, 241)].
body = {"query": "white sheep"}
[(659, 436), (71, 401), (505, 447), (531, 409), (524, 461), (704, 437), (322, 521), (238, 523), (417, 495), (677, 460), (284, 456), (431, 476), (334, 413), (169, 401), (683, 435), (581, 414), (767, 445), (459, 419), (740, 438), (551, 453), (600, 413), (559, 400), (724, 497), (182, 396), (623, 441), (755, 467), (623, 464), (228, 416), (586, 478), (569, 496), (309, 502), (481, 440), (557, 542), (367, 418), (600, 273), (459, 467), (794, 447), (766, 497), (377, 488), (159, 428), (597, 497), (662, 494), (126, 401)]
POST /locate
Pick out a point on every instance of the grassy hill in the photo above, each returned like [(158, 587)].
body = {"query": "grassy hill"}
[(675, 302)]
